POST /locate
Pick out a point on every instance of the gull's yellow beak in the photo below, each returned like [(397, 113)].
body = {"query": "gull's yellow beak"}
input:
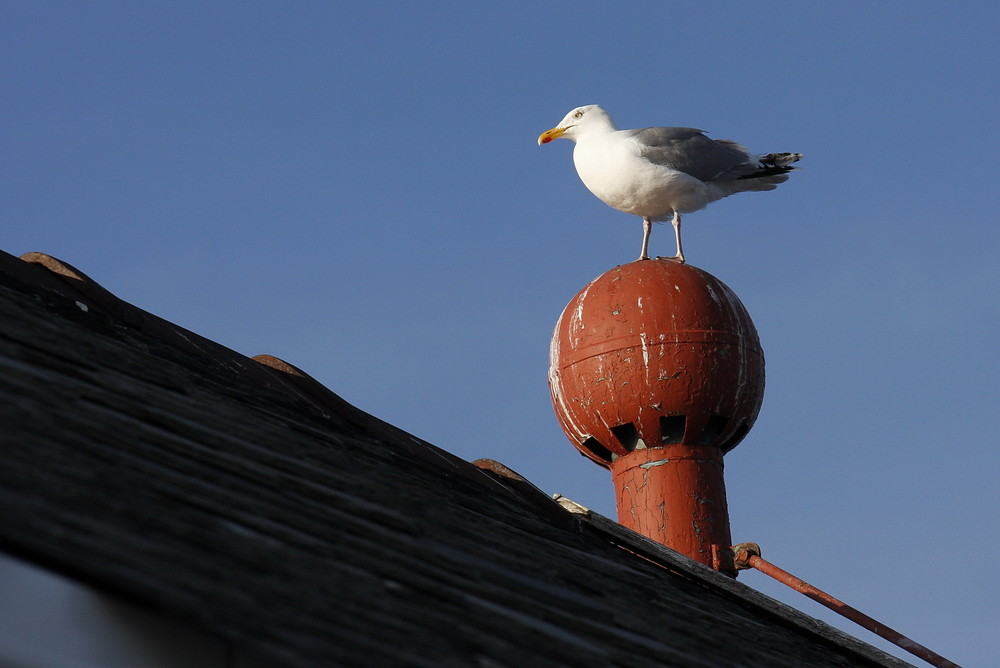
[(549, 135)]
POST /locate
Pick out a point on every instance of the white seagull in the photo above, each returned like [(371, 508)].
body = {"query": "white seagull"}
[(660, 173)]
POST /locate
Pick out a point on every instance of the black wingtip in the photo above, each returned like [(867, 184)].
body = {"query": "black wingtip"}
[(779, 159), (773, 164)]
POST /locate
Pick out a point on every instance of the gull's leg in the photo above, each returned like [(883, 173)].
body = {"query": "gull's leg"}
[(647, 227), (677, 235)]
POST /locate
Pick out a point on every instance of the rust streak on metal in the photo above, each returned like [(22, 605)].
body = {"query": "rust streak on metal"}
[(747, 555)]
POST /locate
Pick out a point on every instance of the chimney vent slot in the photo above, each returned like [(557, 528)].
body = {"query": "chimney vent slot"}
[(594, 446), (672, 429), (713, 429), (628, 436)]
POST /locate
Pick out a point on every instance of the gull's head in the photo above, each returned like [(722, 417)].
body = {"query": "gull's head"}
[(577, 122)]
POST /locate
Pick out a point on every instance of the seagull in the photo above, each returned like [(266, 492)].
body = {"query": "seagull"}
[(660, 173)]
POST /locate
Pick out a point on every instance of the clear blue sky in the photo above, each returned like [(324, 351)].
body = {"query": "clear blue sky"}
[(358, 191)]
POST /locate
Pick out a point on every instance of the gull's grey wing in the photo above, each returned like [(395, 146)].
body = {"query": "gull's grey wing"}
[(688, 150)]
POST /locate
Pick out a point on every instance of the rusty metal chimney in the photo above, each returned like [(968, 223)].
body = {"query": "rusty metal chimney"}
[(655, 372)]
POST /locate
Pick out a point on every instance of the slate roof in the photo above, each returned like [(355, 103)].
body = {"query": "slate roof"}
[(241, 495)]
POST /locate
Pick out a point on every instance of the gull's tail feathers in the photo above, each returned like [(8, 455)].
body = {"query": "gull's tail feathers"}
[(764, 174)]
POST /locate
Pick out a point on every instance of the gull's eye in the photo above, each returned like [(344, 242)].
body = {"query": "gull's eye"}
[(578, 114)]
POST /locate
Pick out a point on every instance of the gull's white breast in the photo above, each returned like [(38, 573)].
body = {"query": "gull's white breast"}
[(611, 167)]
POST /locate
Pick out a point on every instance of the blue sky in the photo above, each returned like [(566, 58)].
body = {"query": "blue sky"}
[(357, 190)]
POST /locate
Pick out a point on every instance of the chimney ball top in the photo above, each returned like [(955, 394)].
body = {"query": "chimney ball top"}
[(651, 354)]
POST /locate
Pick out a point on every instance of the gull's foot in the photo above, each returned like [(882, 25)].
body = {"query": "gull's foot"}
[(677, 258), (642, 257)]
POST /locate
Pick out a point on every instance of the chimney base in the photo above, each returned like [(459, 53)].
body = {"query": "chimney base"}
[(676, 495)]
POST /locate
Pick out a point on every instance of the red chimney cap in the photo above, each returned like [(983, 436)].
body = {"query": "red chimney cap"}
[(655, 353)]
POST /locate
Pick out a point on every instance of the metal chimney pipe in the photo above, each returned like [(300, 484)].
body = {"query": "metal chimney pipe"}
[(676, 495), (655, 372)]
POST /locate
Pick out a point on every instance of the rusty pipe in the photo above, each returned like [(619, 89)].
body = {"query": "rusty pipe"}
[(747, 555)]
